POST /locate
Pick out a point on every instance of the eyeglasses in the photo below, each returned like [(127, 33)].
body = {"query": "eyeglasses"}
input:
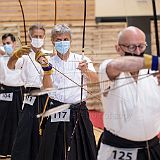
[(133, 47)]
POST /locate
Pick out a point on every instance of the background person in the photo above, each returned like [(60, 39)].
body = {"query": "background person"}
[(27, 139), (11, 97), (58, 143)]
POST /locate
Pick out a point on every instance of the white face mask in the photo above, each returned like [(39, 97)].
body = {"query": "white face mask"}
[(37, 42)]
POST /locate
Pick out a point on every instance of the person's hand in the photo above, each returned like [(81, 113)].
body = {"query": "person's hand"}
[(24, 50), (2, 52), (43, 61), (83, 66)]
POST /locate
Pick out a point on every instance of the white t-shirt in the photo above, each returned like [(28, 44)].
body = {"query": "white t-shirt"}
[(9, 77), (131, 110), (69, 68), (32, 72)]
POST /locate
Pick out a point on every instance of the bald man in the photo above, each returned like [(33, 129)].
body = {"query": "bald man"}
[(132, 104)]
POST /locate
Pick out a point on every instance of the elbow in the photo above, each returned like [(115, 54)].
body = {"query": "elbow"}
[(10, 66)]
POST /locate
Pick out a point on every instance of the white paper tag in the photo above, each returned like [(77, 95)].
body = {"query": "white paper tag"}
[(6, 96), (123, 154), (29, 100), (63, 116)]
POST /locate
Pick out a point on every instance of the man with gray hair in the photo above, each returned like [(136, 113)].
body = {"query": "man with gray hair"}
[(26, 144), (68, 135)]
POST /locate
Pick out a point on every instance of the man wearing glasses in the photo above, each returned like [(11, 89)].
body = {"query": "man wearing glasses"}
[(129, 49), (132, 105)]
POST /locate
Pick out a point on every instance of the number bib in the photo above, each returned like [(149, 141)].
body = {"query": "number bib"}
[(123, 154), (29, 100), (6, 96), (63, 116)]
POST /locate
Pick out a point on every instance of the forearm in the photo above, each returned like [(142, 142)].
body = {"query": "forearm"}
[(127, 64), (91, 76), (124, 64), (47, 81), (132, 64)]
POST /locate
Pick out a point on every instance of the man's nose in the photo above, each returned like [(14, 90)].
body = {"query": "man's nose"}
[(138, 51)]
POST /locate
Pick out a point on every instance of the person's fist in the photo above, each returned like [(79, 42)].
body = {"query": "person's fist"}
[(43, 61), (24, 50), (83, 66)]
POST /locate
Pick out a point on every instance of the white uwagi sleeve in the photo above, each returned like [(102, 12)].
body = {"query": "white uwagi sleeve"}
[(103, 77)]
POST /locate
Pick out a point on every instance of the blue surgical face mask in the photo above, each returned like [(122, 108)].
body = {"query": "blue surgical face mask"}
[(8, 49), (62, 46)]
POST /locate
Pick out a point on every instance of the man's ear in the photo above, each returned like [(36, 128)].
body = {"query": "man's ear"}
[(14, 44), (53, 43), (119, 50), (52, 40), (29, 36)]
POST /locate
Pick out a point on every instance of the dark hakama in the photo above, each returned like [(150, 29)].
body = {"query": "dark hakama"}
[(146, 149), (9, 117), (26, 144), (57, 137)]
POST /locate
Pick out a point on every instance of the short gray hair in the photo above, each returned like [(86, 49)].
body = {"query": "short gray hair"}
[(36, 26), (60, 29)]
